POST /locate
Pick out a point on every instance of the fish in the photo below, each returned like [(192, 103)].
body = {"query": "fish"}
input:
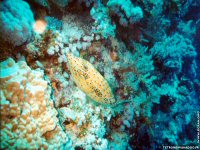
[(89, 80)]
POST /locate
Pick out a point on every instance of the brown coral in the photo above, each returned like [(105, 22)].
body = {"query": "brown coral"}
[(28, 117)]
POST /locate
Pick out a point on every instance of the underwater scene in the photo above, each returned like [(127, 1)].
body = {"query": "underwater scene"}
[(99, 74)]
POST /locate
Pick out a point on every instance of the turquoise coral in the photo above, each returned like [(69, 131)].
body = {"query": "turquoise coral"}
[(130, 13), (16, 21), (173, 51)]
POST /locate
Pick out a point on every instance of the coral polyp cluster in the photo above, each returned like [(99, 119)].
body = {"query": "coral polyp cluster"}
[(28, 117), (99, 75)]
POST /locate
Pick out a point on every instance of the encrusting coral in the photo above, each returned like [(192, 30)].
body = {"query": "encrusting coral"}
[(28, 117)]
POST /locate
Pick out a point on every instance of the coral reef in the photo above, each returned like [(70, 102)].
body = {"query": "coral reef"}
[(103, 21), (129, 14), (173, 51), (99, 75), (85, 125)]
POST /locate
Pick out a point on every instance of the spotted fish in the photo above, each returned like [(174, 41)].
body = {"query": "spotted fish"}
[(89, 80)]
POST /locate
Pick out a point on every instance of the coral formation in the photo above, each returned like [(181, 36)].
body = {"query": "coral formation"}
[(86, 127), (129, 14), (103, 21), (28, 117), (173, 51), (16, 21)]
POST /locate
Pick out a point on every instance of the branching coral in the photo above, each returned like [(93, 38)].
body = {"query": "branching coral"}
[(102, 18), (180, 118), (157, 24), (126, 11), (138, 67), (187, 29), (174, 51)]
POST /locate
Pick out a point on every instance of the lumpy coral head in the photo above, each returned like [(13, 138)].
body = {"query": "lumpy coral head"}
[(89, 80), (16, 20)]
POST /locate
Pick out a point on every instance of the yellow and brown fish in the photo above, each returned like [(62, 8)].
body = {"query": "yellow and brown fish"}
[(89, 80)]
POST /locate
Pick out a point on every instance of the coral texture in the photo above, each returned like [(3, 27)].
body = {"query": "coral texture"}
[(16, 22), (28, 117), (84, 122), (102, 18), (173, 51), (129, 14)]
